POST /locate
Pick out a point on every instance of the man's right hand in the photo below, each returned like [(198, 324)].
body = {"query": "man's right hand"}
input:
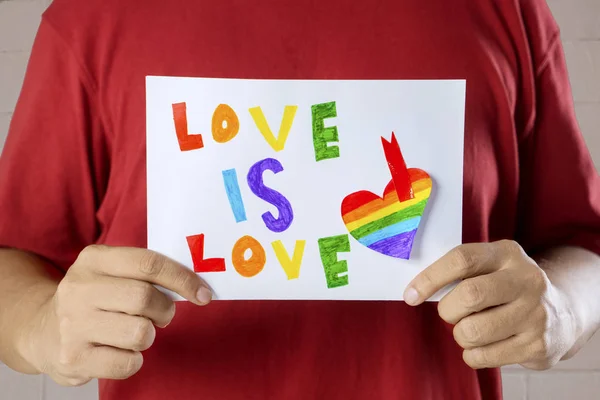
[(104, 313)]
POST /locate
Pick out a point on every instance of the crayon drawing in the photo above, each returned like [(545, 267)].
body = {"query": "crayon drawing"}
[(388, 225), (271, 189)]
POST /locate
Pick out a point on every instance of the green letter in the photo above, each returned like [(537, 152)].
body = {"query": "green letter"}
[(322, 135), (329, 247)]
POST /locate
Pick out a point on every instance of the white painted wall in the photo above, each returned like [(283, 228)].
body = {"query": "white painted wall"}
[(577, 379)]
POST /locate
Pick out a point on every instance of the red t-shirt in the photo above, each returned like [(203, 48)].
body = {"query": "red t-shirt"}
[(73, 172)]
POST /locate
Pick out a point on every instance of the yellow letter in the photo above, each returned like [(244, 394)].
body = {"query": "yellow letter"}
[(286, 124), (291, 267)]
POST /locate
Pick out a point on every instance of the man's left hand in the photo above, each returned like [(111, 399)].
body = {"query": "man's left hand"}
[(505, 309)]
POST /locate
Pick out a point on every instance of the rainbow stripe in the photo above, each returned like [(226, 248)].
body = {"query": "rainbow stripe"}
[(386, 224)]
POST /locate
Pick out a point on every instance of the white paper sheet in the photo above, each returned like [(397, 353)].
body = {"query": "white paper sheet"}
[(187, 190)]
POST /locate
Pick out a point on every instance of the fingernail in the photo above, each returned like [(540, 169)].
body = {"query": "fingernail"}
[(411, 296), (204, 295)]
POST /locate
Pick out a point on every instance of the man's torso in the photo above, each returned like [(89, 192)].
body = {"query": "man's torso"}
[(306, 350)]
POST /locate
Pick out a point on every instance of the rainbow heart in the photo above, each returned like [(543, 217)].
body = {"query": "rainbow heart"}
[(388, 225)]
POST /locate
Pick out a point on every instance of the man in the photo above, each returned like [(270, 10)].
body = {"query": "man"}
[(76, 293)]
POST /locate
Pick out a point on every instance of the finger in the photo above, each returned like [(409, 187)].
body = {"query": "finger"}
[(479, 293), (111, 363), (77, 366), (491, 326), (122, 331), (132, 297), (517, 349), (68, 381), (462, 262), (71, 382), (148, 266)]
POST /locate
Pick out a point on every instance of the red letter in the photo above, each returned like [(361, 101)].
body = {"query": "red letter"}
[(186, 141), (196, 245)]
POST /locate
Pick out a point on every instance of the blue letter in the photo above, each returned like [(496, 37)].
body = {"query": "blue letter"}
[(234, 195), (256, 184)]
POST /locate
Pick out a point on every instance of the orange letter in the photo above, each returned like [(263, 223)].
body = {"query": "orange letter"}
[(225, 124), (252, 266), (186, 141)]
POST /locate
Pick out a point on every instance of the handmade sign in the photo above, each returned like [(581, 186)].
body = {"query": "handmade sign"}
[(280, 189)]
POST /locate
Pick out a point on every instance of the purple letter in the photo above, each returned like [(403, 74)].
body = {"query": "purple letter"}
[(256, 184)]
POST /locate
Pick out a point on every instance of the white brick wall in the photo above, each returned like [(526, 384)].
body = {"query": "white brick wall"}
[(577, 379)]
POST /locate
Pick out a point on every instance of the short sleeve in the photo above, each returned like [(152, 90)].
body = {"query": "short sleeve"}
[(53, 166), (559, 187)]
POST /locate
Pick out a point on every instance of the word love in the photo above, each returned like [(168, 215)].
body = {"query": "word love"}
[(248, 267), (226, 126)]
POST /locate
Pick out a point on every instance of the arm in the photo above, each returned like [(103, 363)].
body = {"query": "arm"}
[(507, 309), (95, 322), (510, 308), (576, 273), (26, 285)]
